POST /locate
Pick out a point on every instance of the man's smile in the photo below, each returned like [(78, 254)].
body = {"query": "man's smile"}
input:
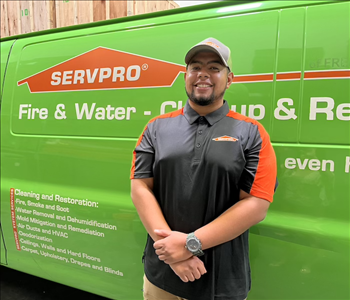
[(201, 86)]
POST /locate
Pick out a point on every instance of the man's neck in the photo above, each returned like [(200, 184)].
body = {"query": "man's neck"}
[(205, 110)]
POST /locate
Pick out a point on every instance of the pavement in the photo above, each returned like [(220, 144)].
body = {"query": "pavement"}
[(15, 285)]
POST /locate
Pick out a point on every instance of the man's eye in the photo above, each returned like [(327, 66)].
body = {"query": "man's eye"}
[(195, 68), (214, 68)]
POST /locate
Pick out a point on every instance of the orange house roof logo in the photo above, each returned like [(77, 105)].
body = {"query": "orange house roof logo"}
[(104, 69)]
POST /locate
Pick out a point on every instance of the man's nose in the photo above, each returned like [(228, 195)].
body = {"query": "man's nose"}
[(203, 73)]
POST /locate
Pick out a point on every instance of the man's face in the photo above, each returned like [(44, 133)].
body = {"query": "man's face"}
[(206, 78)]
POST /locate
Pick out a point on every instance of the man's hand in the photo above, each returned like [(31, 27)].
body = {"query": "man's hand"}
[(171, 248), (190, 269)]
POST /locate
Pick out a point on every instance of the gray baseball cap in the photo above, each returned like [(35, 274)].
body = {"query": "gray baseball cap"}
[(211, 44)]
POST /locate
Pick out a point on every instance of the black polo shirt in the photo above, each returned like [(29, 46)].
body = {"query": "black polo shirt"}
[(199, 165)]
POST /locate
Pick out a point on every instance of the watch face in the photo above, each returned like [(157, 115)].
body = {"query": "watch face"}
[(192, 245)]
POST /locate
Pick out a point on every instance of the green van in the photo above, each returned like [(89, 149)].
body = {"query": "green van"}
[(74, 101)]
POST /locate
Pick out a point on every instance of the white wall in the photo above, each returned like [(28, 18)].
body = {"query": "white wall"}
[(190, 3)]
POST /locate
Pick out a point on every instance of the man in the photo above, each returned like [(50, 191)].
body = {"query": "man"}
[(201, 177)]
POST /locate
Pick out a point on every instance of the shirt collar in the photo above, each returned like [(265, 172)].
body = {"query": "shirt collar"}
[(192, 116)]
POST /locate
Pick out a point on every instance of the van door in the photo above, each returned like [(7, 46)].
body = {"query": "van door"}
[(311, 136), (5, 54)]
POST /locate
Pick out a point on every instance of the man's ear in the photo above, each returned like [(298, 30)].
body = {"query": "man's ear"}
[(229, 79), (185, 76)]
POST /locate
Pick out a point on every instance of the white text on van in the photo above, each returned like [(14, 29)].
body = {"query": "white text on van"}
[(132, 73)]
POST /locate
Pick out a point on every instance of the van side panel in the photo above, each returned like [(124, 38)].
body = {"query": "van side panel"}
[(75, 103)]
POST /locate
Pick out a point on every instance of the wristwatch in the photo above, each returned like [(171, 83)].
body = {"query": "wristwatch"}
[(194, 245)]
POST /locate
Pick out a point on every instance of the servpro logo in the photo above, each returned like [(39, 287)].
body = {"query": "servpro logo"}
[(104, 69), (225, 138)]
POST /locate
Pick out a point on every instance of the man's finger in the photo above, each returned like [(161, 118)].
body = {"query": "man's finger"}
[(202, 269), (158, 245), (197, 274), (159, 251), (190, 277), (161, 257)]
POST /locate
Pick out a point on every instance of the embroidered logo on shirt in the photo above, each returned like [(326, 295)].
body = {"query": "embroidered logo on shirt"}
[(225, 138)]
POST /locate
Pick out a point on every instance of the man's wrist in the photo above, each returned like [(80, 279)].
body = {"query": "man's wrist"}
[(181, 261)]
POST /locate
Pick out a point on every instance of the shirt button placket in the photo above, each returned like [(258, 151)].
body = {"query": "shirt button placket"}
[(199, 138)]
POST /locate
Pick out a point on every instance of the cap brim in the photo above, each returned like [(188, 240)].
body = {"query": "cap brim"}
[(200, 48)]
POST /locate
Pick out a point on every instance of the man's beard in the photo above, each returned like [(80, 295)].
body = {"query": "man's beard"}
[(204, 101)]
